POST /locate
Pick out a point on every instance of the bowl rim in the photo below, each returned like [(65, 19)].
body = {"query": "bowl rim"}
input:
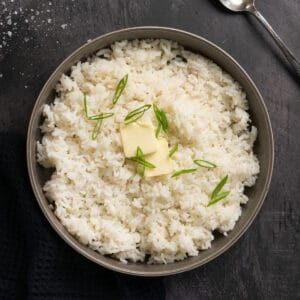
[(30, 147)]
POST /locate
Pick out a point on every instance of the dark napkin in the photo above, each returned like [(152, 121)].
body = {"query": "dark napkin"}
[(35, 263)]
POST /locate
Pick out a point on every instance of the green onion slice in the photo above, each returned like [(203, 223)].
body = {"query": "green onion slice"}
[(101, 116), (218, 198), (143, 162), (157, 131), (184, 171), (97, 129), (205, 164), (219, 187), (119, 89), (140, 168), (85, 105), (173, 150), (164, 121), (136, 114), (161, 119)]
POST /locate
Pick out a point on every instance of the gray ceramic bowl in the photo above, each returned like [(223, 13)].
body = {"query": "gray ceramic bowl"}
[(264, 148)]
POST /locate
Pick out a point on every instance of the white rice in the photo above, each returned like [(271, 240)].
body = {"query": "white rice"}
[(99, 197)]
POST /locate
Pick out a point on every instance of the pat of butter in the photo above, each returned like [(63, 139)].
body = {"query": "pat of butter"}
[(138, 134), (161, 160)]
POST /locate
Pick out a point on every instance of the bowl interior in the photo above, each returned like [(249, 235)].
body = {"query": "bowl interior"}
[(263, 147)]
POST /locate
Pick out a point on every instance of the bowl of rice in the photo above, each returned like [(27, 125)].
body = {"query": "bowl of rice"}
[(150, 151)]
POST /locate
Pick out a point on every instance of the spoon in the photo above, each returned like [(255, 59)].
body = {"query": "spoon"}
[(248, 6)]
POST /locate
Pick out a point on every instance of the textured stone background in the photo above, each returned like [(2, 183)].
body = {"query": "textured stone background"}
[(37, 35)]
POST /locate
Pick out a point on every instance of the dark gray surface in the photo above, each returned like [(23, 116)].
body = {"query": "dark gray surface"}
[(265, 262)]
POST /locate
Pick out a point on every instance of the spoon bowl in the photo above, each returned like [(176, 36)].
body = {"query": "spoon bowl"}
[(238, 5)]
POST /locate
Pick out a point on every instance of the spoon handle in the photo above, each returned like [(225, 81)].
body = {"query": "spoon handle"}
[(286, 51)]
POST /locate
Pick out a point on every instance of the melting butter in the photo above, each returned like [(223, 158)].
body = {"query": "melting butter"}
[(160, 159), (138, 134)]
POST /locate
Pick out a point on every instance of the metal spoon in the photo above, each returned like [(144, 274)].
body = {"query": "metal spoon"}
[(248, 6)]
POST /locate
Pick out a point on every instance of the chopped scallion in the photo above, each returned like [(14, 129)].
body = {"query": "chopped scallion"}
[(157, 131), (97, 129), (143, 162), (161, 119), (173, 150), (204, 163), (216, 196), (184, 171), (101, 116), (136, 114), (140, 168), (119, 89), (85, 105)]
